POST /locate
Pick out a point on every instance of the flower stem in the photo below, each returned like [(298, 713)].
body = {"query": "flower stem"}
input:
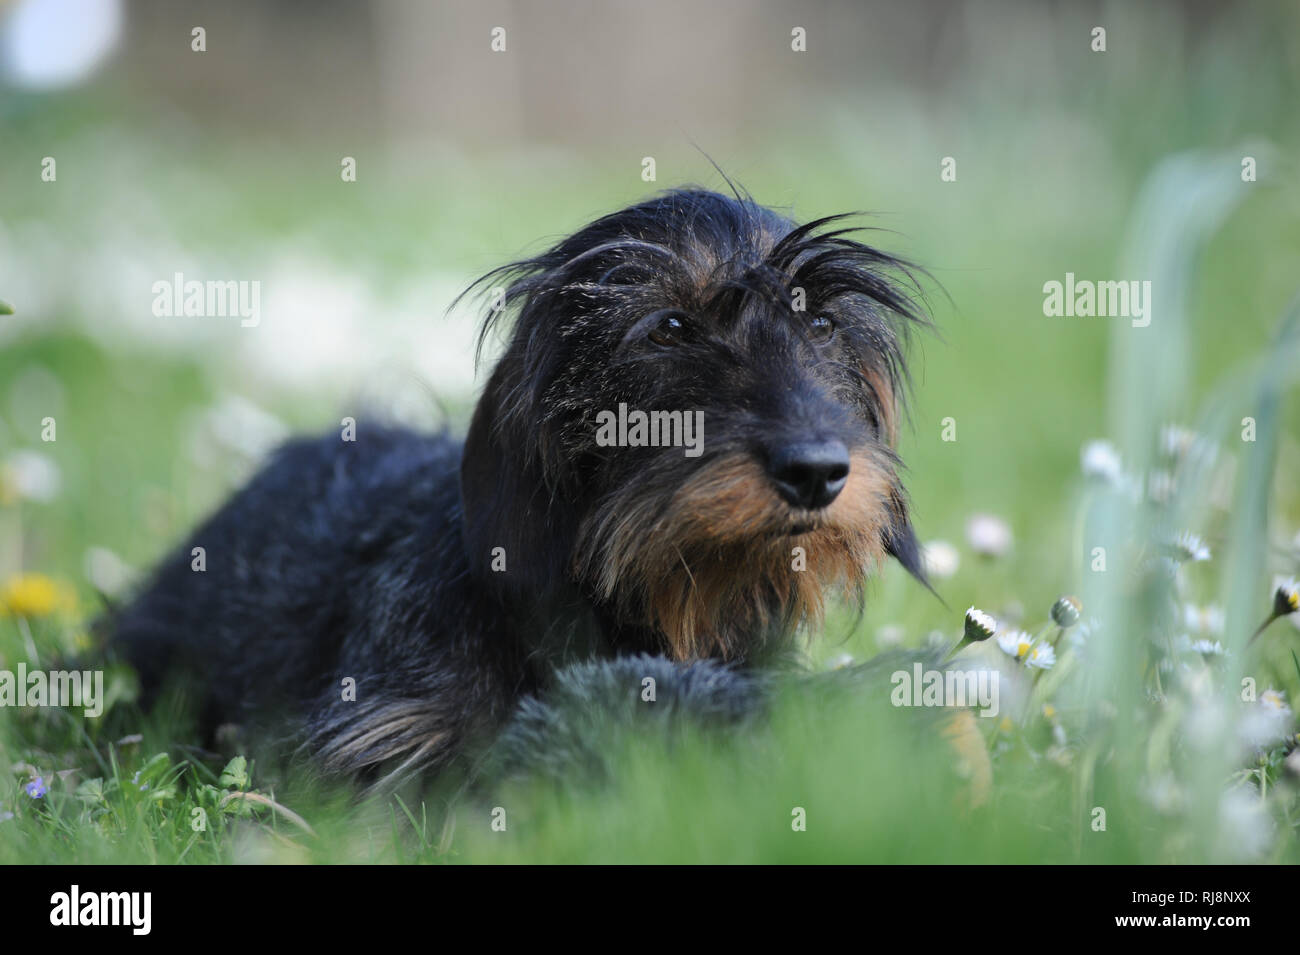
[(1262, 627)]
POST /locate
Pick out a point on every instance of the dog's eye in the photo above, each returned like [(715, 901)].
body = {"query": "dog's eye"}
[(820, 329), (670, 330)]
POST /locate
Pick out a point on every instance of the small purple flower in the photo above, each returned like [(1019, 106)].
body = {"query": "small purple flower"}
[(36, 788)]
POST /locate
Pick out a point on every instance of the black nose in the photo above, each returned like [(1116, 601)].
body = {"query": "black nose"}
[(810, 474)]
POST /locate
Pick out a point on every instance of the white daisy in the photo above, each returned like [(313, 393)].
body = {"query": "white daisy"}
[(1164, 793), (1274, 701), (890, 635), (840, 661), (1180, 443), (1187, 546), (1015, 643), (1041, 657), (1245, 827), (1267, 722), (940, 559), (1175, 440), (107, 571), (988, 535), (1100, 460), (31, 476), (1207, 619)]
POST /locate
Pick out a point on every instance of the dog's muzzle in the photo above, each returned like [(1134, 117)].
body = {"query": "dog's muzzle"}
[(809, 474)]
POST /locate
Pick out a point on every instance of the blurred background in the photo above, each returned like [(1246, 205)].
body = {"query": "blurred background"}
[(226, 163)]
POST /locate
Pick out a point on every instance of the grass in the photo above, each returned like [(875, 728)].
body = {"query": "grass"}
[(1132, 723)]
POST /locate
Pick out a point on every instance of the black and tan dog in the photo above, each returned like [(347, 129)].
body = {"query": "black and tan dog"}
[(447, 583)]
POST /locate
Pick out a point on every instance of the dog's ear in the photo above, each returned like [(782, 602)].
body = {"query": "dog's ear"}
[(505, 498), (900, 540)]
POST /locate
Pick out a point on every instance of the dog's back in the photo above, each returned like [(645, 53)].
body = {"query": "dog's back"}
[(341, 560)]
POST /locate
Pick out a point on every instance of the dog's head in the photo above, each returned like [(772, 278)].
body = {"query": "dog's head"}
[(694, 421)]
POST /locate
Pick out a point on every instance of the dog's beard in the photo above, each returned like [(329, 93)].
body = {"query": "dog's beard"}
[(712, 566)]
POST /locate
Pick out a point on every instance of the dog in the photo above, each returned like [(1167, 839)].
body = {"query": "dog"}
[(389, 603)]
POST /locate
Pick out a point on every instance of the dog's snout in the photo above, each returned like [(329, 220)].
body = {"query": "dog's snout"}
[(810, 474)]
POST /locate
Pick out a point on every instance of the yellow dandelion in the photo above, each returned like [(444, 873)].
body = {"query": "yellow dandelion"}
[(35, 595)]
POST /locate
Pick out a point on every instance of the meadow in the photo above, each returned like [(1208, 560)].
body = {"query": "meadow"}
[(1157, 708)]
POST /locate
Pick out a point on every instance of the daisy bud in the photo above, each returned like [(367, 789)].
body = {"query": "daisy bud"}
[(1065, 612), (979, 625), (1286, 599), (1188, 547)]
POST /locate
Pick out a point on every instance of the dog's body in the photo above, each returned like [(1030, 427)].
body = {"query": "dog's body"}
[(339, 560), (450, 582)]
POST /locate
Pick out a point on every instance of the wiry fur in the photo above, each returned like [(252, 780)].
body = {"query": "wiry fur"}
[(555, 735), (373, 560), (714, 568)]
